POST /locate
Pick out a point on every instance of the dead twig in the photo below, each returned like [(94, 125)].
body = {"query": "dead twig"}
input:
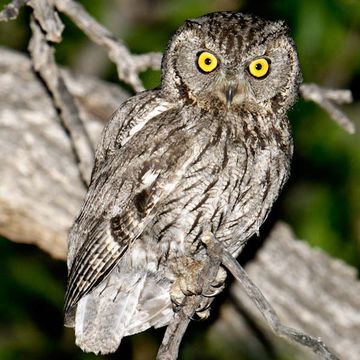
[(48, 19), (44, 63), (128, 65), (326, 98), (169, 348), (11, 11), (47, 26)]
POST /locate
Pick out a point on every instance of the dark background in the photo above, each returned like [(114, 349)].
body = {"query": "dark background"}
[(320, 202)]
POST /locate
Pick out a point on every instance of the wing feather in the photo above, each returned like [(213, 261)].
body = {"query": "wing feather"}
[(89, 270), (108, 224)]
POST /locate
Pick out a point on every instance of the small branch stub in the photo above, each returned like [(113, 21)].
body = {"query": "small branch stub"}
[(11, 11)]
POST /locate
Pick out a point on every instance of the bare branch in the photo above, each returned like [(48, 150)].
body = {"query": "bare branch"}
[(325, 98), (128, 65), (11, 11), (309, 290), (150, 60), (44, 63), (48, 19), (175, 331), (254, 293), (49, 27)]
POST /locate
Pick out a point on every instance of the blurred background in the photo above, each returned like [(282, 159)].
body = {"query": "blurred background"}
[(321, 201)]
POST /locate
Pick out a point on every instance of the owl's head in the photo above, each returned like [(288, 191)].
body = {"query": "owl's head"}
[(231, 59)]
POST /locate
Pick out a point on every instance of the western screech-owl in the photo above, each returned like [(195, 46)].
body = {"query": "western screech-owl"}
[(210, 147)]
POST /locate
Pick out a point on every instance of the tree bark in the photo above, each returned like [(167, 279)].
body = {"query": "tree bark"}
[(40, 189)]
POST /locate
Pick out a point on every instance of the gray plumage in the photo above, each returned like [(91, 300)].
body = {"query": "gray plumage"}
[(208, 148)]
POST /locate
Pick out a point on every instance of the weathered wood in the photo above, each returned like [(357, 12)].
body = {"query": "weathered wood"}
[(328, 99), (40, 188), (309, 291)]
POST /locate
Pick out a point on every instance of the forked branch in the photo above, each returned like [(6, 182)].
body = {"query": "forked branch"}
[(169, 348), (44, 63), (217, 254), (128, 65), (326, 99), (255, 295), (47, 28)]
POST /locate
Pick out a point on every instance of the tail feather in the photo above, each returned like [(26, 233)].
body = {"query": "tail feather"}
[(154, 308), (125, 304)]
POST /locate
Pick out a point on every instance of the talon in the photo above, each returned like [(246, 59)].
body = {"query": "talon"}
[(176, 307), (203, 310), (201, 315), (214, 292), (204, 305), (221, 276), (218, 285)]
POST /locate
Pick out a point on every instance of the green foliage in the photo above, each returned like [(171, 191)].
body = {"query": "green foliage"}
[(321, 201)]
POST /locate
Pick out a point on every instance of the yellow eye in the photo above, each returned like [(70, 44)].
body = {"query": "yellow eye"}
[(259, 68), (207, 62)]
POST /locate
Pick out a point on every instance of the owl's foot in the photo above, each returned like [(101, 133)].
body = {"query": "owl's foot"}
[(188, 282), (180, 291), (217, 286), (199, 278)]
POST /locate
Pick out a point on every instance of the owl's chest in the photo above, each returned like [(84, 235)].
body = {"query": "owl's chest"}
[(251, 196), (228, 187)]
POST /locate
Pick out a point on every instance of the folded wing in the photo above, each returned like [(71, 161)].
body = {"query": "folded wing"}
[(125, 194)]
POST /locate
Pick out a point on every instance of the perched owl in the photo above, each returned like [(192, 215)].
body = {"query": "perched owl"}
[(210, 148)]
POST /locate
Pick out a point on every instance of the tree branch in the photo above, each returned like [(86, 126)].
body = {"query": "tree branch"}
[(11, 11), (44, 63), (48, 19), (37, 163), (128, 65), (308, 289), (38, 159), (325, 99), (175, 331), (255, 295), (40, 190)]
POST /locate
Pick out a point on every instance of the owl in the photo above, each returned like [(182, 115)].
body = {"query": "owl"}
[(209, 150)]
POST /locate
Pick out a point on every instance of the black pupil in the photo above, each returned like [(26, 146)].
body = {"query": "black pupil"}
[(207, 61), (258, 66)]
